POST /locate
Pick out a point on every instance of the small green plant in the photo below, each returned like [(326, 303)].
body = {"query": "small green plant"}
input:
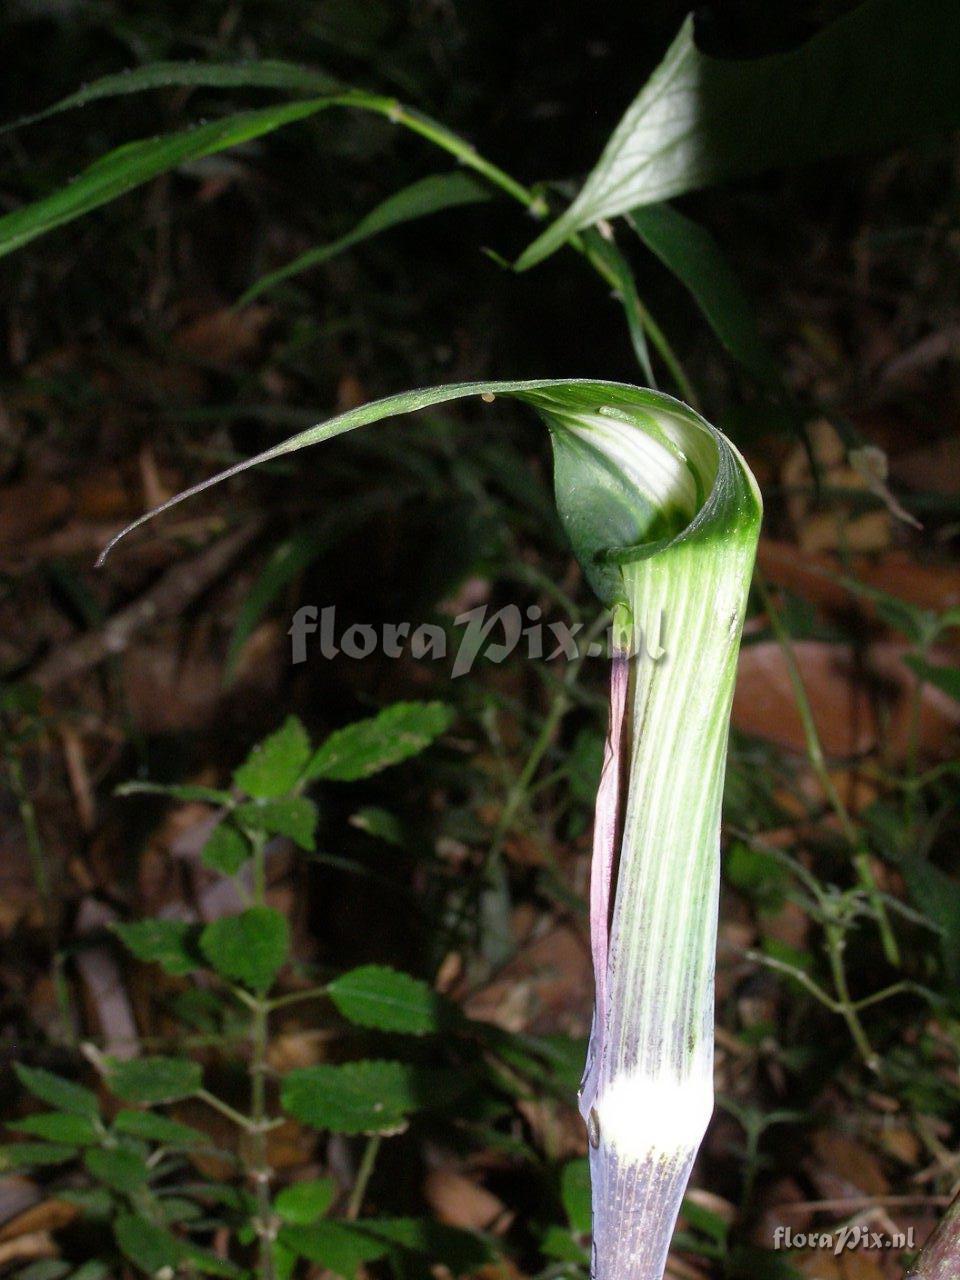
[(137, 1157)]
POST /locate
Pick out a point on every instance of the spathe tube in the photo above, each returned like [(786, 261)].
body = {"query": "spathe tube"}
[(664, 516)]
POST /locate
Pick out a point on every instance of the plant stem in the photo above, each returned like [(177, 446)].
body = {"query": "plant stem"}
[(532, 200), (259, 1169), (364, 1173)]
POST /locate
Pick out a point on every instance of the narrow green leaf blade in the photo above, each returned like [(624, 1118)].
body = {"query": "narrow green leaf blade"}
[(364, 748), (695, 258), (883, 73), (383, 998), (429, 195), (135, 163), (251, 947), (264, 74)]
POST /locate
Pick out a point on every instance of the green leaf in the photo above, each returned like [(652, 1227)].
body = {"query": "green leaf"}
[(274, 766), (364, 748), (337, 1246), (695, 258), (304, 1202), (226, 850), (461, 1251), (357, 1097), (57, 1126), (117, 1169), (27, 1155), (599, 247), (575, 1194), (169, 943), (946, 679), (151, 1127), (380, 823), (375, 996), (154, 1079), (881, 74), (558, 1242), (146, 1245), (937, 895), (265, 74), (294, 817), (429, 195), (186, 794), (92, 1270), (57, 1092), (135, 163), (251, 947)]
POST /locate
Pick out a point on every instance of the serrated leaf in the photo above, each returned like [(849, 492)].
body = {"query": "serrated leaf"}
[(27, 1155), (337, 1246), (226, 850), (169, 943), (883, 73), (155, 1079), (695, 258), (303, 1203), (63, 1127), (575, 1194), (364, 748), (151, 1127), (250, 947), (57, 1092), (294, 817), (274, 765), (375, 996), (117, 1169), (426, 196), (356, 1097)]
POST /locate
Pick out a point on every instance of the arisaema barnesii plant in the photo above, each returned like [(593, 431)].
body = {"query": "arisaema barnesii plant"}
[(663, 515)]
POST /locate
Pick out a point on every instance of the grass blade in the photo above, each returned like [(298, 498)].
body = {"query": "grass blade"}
[(429, 195), (264, 74), (695, 258)]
